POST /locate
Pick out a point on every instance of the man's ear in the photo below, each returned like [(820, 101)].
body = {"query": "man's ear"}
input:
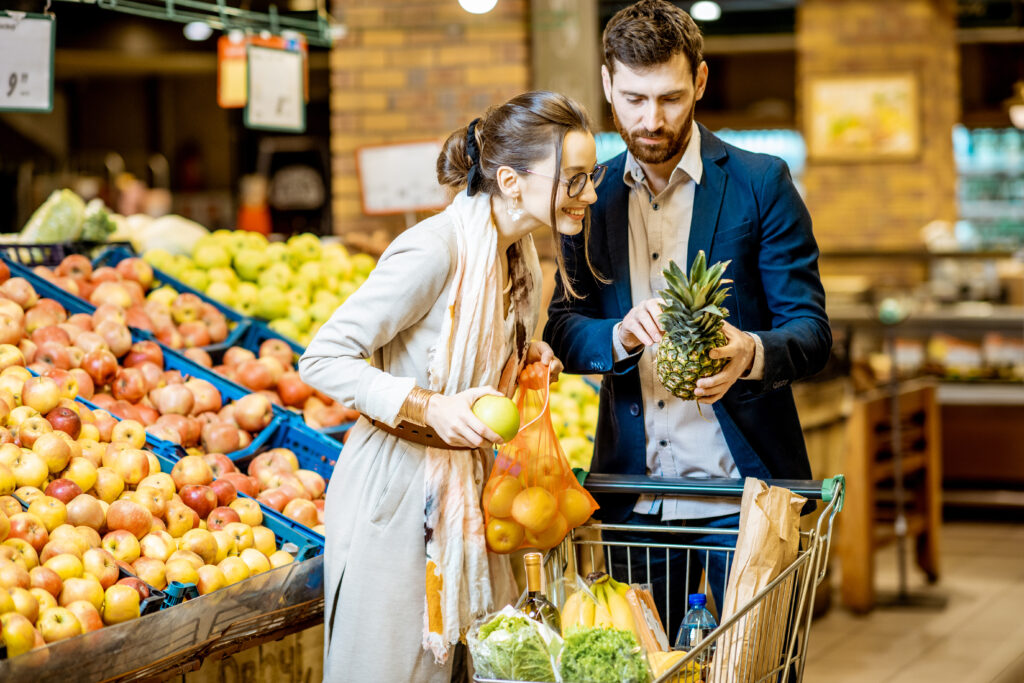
[(606, 82), (701, 81), (508, 182)]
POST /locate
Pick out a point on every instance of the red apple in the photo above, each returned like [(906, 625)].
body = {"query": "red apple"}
[(202, 499), (130, 516), (219, 464), (88, 616), (29, 528), (173, 399), (63, 490), (253, 412), (274, 498), (136, 584), (65, 420), (85, 510), (129, 385), (47, 579), (142, 352), (302, 511), (279, 349), (220, 517), (192, 469), (220, 437), (236, 355), (206, 396), (101, 365), (117, 336), (242, 482), (101, 564)]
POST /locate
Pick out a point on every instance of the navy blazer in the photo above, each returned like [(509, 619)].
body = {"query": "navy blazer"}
[(746, 209)]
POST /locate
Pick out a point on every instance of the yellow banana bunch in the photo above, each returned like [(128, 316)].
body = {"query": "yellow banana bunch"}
[(612, 609), (578, 611)]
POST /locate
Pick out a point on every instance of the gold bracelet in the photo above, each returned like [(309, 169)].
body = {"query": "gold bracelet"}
[(415, 407)]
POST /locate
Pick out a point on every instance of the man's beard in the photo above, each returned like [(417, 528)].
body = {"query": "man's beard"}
[(671, 144)]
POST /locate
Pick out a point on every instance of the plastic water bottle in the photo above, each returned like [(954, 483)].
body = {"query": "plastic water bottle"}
[(696, 626)]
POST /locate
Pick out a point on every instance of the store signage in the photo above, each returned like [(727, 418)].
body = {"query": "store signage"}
[(26, 62), (399, 178), (232, 60), (275, 90)]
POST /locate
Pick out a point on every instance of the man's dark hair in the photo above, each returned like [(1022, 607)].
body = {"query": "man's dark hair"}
[(651, 32)]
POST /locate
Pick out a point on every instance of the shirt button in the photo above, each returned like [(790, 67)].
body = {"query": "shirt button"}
[(634, 410), (654, 256), (655, 207), (663, 443), (661, 404)]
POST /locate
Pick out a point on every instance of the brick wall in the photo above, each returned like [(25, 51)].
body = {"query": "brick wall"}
[(415, 69), (883, 204)]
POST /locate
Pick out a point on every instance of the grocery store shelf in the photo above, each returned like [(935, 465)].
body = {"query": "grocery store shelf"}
[(968, 316), (983, 498), (981, 393)]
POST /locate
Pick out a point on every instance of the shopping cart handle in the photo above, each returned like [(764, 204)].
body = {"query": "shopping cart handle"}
[(637, 484)]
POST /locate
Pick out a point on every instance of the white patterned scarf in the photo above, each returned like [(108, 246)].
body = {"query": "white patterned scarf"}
[(463, 580)]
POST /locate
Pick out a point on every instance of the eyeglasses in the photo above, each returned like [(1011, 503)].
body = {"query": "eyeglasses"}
[(577, 183)]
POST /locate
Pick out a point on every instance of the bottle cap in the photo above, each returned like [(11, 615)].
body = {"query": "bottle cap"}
[(532, 559), (697, 600)]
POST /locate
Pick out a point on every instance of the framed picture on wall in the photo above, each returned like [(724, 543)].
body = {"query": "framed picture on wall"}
[(863, 117)]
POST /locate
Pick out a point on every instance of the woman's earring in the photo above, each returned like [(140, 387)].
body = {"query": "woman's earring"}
[(515, 211)]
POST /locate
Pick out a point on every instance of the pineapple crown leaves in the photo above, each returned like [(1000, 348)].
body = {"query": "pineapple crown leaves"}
[(694, 304)]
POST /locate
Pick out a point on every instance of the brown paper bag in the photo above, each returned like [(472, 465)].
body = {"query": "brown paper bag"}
[(768, 543)]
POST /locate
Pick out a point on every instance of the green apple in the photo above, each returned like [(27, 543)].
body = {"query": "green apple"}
[(222, 275), (362, 264), (178, 265), (277, 275), (498, 413), (320, 311), (249, 263), (222, 292), (300, 318), (238, 241), (272, 303), (345, 290), (159, 258), (212, 256), (297, 298), (196, 279), (336, 256), (255, 240), (302, 248), (313, 271), (327, 295), (277, 251), (285, 328), (165, 296)]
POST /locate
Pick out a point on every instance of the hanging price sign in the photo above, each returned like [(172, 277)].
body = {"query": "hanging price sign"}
[(276, 100), (26, 62)]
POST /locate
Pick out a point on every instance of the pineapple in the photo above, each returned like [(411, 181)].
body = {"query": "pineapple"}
[(692, 319)]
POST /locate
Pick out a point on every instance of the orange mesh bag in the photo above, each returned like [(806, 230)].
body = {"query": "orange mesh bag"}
[(532, 499)]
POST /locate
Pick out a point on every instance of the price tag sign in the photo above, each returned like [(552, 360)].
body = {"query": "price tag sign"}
[(276, 90), (26, 62)]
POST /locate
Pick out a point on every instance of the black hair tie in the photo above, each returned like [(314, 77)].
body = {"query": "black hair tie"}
[(473, 152)]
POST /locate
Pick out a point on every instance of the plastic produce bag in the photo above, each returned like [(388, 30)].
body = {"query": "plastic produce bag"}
[(58, 219), (510, 646), (532, 499)]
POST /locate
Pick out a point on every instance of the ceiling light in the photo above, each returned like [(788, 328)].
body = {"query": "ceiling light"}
[(705, 10), (198, 30), (1015, 105), (478, 6)]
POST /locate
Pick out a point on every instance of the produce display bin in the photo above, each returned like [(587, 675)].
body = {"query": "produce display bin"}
[(315, 451), (157, 599), (174, 641), (114, 255), (52, 254), (307, 543)]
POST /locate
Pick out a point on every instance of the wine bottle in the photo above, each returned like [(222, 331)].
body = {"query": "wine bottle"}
[(534, 604)]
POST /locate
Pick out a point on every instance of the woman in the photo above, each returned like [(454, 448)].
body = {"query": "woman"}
[(446, 317)]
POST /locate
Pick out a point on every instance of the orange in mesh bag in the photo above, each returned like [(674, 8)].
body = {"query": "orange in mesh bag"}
[(532, 499)]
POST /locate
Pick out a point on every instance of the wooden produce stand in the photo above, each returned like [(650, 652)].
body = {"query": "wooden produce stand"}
[(178, 639), (868, 516)]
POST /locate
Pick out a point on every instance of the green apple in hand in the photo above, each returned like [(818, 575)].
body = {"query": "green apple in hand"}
[(498, 413)]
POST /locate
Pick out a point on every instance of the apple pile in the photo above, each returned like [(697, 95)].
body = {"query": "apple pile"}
[(271, 372), (126, 293), (96, 507), (296, 285), (275, 479)]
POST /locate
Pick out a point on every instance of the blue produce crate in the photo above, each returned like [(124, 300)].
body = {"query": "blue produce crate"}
[(315, 451), (51, 254), (48, 290), (307, 542), (111, 257), (157, 598)]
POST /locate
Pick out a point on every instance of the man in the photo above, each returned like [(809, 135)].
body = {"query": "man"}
[(676, 190)]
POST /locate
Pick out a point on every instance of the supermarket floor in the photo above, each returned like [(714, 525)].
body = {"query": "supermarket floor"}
[(977, 638)]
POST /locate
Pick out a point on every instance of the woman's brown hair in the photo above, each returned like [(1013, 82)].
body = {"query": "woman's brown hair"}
[(518, 134)]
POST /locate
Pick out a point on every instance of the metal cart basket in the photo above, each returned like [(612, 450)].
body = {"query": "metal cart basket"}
[(764, 641)]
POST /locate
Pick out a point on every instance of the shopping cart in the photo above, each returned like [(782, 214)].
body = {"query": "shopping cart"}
[(766, 640)]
